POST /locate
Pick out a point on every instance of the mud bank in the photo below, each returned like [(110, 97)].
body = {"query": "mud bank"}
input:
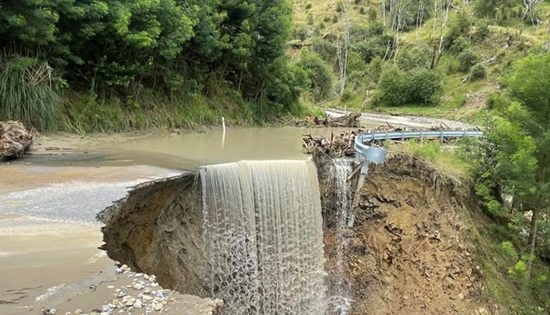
[(407, 253)]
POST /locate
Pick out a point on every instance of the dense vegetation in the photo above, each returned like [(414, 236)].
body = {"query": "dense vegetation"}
[(430, 57), (135, 58), (112, 65), (484, 61)]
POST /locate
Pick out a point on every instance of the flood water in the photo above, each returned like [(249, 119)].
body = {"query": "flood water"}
[(190, 150), (52, 196)]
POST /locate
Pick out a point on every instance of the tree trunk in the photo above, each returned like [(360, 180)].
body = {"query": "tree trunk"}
[(532, 242)]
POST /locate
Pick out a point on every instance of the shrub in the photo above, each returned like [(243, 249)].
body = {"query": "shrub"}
[(394, 89), (424, 86), (481, 31), (466, 60), (418, 57), (319, 74), (324, 48), (397, 87), (478, 72)]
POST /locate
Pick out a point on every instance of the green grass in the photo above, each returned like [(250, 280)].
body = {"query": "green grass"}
[(84, 113), (27, 92), (446, 158)]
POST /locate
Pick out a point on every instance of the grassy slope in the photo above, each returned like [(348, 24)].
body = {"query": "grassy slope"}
[(461, 100)]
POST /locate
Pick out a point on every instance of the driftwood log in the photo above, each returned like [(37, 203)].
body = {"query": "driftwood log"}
[(350, 120), (15, 140)]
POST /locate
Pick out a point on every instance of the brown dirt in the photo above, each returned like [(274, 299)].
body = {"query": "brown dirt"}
[(408, 252)]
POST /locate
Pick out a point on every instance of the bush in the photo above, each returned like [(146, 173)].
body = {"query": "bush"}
[(372, 47), (418, 57), (466, 60), (424, 86), (324, 48), (481, 31), (478, 72), (394, 88), (319, 74), (397, 87)]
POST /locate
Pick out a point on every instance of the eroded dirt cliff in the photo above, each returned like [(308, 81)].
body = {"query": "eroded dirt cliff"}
[(408, 252)]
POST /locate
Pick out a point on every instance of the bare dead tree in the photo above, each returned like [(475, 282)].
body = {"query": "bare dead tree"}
[(342, 46), (529, 6), (400, 8), (443, 6), (419, 18), (384, 14)]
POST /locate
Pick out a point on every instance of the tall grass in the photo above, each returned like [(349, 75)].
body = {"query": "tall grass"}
[(28, 93)]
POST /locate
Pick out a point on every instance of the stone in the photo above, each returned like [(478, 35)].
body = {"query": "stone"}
[(137, 286), (78, 311), (157, 307)]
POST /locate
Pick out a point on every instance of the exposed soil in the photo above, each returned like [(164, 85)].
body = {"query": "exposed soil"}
[(408, 252)]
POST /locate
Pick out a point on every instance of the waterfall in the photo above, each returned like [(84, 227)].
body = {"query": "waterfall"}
[(340, 292), (263, 230)]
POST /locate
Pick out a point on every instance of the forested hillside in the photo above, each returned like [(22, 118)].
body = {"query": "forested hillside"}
[(431, 57), (85, 65)]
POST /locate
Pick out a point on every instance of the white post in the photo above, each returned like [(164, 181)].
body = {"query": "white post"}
[(223, 132)]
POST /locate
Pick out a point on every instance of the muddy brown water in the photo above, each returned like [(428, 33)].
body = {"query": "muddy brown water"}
[(48, 201), (184, 151)]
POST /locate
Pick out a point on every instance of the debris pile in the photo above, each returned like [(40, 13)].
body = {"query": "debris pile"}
[(15, 140), (338, 145), (350, 120)]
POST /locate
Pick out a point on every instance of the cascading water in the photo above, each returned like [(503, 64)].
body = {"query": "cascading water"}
[(263, 229), (340, 292)]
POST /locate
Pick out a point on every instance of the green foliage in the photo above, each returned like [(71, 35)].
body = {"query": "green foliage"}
[(324, 48), (500, 9), (118, 48), (28, 92), (398, 87), (319, 74), (509, 250), (466, 60), (417, 57), (478, 72)]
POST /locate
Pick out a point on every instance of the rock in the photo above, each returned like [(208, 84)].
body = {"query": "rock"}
[(137, 286), (128, 301), (78, 311), (157, 307), (138, 304), (15, 140), (52, 311)]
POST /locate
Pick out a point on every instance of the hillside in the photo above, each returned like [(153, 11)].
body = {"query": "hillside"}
[(479, 43)]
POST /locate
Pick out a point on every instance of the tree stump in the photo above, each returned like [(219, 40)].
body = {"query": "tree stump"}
[(15, 140)]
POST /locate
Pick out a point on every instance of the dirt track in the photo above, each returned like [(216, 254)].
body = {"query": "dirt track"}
[(414, 122)]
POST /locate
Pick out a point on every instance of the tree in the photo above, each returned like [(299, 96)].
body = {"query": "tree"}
[(529, 86), (342, 46)]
